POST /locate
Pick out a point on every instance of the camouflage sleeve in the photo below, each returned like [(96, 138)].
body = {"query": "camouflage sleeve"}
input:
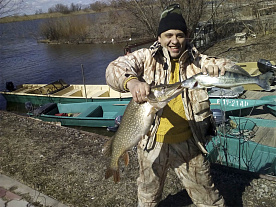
[(119, 70), (205, 61)]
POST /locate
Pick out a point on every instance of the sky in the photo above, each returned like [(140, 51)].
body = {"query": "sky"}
[(31, 6)]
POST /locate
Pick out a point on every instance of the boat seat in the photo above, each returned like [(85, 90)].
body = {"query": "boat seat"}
[(93, 111), (126, 95), (71, 92), (109, 115), (100, 93), (24, 90), (114, 94), (113, 115)]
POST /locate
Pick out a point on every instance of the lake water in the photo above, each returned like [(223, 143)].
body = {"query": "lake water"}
[(23, 60)]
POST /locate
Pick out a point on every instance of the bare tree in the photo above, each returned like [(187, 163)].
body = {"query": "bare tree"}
[(62, 8), (75, 7), (164, 3), (192, 11), (8, 7), (98, 6), (148, 11)]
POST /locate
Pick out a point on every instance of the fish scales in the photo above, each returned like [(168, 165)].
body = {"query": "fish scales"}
[(136, 123), (228, 80)]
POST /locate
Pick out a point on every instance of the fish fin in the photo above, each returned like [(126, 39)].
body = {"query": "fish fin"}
[(107, 148), (238, 69), (263, 80), (113, 172), (126, 158), (152, 111)]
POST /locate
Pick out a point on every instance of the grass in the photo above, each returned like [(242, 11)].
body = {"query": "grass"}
[(72, 29)]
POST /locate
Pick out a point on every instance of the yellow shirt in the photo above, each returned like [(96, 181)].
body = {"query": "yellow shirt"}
[(174, 126)]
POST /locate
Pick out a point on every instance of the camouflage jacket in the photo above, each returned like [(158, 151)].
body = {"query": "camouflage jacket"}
[(153, 66)]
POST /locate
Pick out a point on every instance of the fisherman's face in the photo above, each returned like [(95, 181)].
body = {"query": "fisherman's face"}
[(174, 41)]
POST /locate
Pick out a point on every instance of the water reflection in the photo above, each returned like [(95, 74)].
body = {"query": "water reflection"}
[(23, 60)]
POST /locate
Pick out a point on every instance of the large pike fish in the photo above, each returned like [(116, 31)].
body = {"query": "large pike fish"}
[(228, 80), (135, 123)]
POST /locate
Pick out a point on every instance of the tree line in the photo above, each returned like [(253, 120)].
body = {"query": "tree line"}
[(137, 19), (124, 19), (64, 9)]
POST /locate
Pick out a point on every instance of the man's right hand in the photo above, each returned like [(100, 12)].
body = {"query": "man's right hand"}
[(139, 90)]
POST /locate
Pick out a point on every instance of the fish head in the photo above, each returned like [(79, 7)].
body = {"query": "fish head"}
[(190, 83), (195, 81), (160, 95)]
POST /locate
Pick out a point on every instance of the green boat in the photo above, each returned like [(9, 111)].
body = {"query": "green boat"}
[(88, 114), (234, 149), (270, 107), (270, 98), (61, 92), (248, 123), (238, 107)]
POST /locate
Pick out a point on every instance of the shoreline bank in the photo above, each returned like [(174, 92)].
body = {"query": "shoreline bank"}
[(67, 164)]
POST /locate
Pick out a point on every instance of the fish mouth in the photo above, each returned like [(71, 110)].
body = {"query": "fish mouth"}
[(190, 83), (195, 84), (177, 89)]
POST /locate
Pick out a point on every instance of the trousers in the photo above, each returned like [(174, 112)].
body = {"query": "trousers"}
[(189, 164)]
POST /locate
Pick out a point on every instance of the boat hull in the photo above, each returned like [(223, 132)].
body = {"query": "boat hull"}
[(270, 107), (39, 94), (88, 114), (249, 156), (234, 149), (39, 100), (238, 107)]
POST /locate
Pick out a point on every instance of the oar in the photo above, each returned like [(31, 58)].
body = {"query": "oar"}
[(120, 104), (83, 79)]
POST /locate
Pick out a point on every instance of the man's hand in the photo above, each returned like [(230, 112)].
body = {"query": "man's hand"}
[(139, 90), (213, 70)]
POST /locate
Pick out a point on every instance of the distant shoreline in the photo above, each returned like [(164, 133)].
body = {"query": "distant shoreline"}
[(10, 19)]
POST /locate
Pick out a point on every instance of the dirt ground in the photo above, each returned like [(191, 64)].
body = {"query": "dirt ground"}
[(67, 164), (261, 47)]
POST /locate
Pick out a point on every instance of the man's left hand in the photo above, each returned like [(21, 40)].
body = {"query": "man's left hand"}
[(213, 70)]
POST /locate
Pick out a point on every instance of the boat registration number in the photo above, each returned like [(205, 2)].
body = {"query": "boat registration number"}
[(233, 102)]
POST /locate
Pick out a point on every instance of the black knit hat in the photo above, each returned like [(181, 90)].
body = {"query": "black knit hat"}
[(171, 18)]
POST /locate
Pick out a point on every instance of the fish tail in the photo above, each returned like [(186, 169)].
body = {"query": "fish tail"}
[(263, 80), (113, 172)]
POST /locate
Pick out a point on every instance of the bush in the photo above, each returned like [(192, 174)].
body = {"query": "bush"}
[(70, 29), (61, 8)]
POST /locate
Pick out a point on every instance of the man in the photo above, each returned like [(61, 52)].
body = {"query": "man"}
[(180, 131)]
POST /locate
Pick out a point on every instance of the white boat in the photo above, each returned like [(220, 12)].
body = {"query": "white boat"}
[(61, 92)]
